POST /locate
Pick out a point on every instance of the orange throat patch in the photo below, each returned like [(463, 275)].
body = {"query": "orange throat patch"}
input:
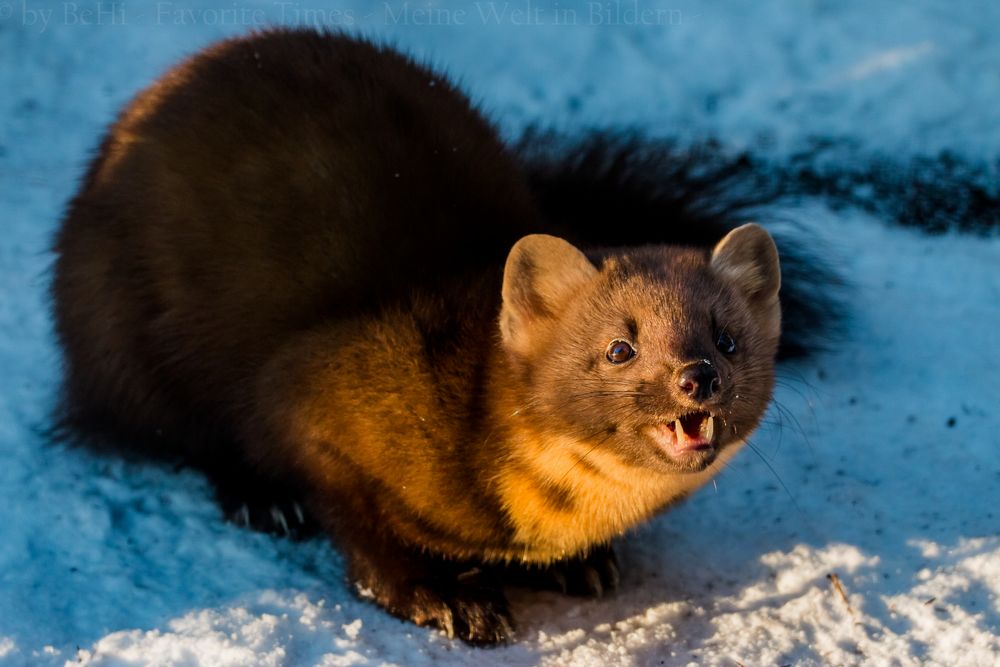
[(563, 495)]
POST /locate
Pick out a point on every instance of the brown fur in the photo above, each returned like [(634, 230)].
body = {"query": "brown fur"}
[(291, 251)]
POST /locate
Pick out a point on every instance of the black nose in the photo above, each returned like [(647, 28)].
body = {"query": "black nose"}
[(699, 381)]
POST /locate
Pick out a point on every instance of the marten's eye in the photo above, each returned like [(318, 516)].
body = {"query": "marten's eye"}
[(619, 352), (725, 343)]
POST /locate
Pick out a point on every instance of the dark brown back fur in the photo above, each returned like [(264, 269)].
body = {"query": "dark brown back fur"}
[(252, 192)]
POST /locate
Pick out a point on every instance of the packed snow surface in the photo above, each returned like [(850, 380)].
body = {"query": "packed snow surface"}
[(862, 530)]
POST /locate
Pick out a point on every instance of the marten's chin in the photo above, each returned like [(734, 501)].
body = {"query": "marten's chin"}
[(689, 441)]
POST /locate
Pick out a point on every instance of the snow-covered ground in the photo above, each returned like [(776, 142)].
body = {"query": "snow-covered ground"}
[(882, 463)]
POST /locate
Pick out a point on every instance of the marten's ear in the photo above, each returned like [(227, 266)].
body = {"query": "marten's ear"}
[(748, 259), (541, 274)]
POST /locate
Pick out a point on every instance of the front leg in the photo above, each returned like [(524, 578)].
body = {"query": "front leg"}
[(462, 600), (349, 433)]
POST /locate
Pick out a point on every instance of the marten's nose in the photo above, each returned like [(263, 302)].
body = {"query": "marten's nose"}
[(699, 381)]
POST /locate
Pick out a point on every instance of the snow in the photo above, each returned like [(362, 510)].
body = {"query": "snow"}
[(885, 454)]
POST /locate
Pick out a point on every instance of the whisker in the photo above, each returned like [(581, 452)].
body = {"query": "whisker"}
[(775, 473), (786, 413)]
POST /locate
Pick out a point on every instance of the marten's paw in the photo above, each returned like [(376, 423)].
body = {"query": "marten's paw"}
[(593, 575), (284, 519), (475, 613), (253, 501), (465, 603)]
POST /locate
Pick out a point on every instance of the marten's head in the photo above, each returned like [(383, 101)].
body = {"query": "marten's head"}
[(664, 355)]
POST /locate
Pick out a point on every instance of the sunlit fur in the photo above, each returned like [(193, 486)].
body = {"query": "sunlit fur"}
[(286, 265)]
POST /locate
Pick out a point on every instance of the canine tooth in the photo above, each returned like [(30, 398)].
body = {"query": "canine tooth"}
[(710, 429), (679, 430)]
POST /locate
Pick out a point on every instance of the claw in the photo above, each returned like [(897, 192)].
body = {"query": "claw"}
[(613, 575), (279, 519), (299, 514), (560, 579), (593, 580), (447, 622)]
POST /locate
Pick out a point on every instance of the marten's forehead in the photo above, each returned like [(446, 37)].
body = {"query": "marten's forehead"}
[(664, 281), (656, 264)]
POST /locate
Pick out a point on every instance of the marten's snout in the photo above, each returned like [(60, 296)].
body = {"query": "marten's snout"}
[(699, 381)]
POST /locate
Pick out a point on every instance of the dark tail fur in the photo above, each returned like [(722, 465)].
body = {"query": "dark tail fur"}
[(932, 193), (662, 193)]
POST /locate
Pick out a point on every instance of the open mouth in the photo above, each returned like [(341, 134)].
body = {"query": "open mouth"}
[(687, 435)]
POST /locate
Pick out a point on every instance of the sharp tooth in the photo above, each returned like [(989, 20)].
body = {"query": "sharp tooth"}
[(679, 430), (709, 429)]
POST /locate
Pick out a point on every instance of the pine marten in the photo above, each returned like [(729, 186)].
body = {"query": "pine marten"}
[(302, 258)]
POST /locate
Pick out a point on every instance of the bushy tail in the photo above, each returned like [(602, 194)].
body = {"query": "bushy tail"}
[(589, 189)]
